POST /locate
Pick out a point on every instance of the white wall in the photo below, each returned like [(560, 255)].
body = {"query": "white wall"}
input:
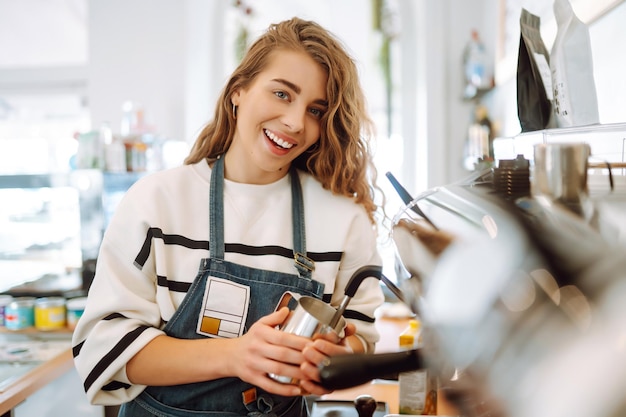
[(608, 35), (460, 17), (173, 57), (137, 52), (53, 36), (175, 60), (435, 115), (203, 62)]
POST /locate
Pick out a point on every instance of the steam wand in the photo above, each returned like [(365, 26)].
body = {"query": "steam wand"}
[(355, 282), (353, 285), (408, 199)]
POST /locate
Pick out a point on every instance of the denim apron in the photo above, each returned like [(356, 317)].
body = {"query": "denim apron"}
[(252, 294)]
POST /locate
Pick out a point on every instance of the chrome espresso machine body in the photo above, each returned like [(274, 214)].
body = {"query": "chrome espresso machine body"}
[(524, 309), (522, 303)]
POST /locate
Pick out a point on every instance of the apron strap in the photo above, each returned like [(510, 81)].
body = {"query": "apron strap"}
[(216, 210), (303, 264)]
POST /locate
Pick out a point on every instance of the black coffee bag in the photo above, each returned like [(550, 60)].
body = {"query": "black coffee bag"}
[(534, 79)]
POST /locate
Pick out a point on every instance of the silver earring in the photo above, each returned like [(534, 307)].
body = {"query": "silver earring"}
[(234, 111)]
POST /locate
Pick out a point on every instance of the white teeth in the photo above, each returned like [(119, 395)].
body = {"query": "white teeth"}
[(278, 141)]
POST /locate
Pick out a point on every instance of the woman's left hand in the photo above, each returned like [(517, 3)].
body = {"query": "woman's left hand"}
[(320, 348)]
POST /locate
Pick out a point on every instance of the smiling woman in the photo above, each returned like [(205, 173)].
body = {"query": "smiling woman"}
[(275, 197)]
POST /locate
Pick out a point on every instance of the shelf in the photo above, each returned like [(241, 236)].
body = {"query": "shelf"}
[(32, 331), (607, 141), (594, 128), (35, 180)]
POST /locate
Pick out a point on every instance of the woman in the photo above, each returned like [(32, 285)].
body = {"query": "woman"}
[(274, 197)]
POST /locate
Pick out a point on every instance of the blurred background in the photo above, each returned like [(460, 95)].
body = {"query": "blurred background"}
[(95, 94), (145, 75)]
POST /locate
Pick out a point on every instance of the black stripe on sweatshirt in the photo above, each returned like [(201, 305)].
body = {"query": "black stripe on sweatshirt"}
[(280, 251), (115, 385), (175, 286), (113, 354), (356, 315), (179, 240), (168, 239), (76, 349)]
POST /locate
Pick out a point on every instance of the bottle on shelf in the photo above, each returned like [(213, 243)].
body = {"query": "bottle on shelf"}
[(479, 152), (417, 389), (90, 153), (141, 145), (477, 69), (114, 157)]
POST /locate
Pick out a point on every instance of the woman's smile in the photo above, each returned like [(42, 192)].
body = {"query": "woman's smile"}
[(280, 143)]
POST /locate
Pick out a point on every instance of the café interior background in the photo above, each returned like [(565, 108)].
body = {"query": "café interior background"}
[(68, 66)]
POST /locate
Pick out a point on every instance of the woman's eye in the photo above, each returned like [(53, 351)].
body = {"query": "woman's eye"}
[(316, 112), (281, 94)]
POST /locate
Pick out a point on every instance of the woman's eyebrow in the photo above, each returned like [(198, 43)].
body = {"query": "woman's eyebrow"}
[(289, 84), (297, 89)]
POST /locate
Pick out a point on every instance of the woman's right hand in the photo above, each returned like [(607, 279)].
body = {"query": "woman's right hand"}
[(265, 350)]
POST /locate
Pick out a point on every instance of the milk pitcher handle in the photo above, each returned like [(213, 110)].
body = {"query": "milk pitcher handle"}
[(286, 298)]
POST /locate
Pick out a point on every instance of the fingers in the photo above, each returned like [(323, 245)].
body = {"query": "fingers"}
[(311, 384), (319, 349), (350, 330), (327, 334), (265, 351), (314, 354), (276, 318), (287, 364), (311, 387), (268, 384), (272, 349)]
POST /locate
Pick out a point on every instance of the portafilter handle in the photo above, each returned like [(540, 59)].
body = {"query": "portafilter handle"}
[(345, 371)]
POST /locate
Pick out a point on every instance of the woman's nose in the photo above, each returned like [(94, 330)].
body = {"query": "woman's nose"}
[(294, 118)]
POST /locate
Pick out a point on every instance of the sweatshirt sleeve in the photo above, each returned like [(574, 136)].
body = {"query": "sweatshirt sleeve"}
[(121, 316)]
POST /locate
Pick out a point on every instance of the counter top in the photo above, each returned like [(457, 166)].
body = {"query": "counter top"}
[(35, 378), (381, 390), (40, 374)]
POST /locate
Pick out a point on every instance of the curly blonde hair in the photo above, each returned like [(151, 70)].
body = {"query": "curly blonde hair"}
[(341, 160)]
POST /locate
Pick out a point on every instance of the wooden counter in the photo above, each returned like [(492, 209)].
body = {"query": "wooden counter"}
[(382, 390), (38, 377), (33, 380)]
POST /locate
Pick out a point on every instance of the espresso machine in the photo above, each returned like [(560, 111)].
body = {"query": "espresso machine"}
[(521, 300)]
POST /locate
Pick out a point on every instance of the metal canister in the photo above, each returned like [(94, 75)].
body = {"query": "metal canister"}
[(20, 313), (4, 301), (50, 313)]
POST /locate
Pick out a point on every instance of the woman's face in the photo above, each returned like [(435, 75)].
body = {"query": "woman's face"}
[(278, 118)]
